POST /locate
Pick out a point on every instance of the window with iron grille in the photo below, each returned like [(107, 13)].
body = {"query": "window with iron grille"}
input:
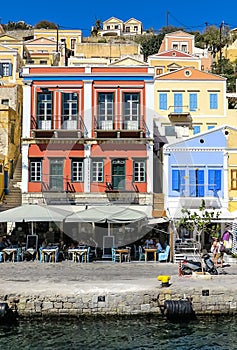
[(139, 171), (35, 170), (97, 171), (77, 170)]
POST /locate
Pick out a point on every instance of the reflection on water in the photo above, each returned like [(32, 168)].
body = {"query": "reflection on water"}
[(120, 333)]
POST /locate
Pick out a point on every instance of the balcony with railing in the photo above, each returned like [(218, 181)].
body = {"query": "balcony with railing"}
[(120, 126), (190, 196), (180, 114), (121, 190), (63, 126)]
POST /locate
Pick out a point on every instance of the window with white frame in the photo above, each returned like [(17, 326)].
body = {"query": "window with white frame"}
[(139, 170), (77, 170), (5, 69), (97, 171), (35, 170)]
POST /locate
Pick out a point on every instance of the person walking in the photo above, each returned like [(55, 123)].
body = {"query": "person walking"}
[(220, 252)]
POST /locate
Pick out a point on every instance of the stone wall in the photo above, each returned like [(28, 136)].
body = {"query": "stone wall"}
[(204, 302)]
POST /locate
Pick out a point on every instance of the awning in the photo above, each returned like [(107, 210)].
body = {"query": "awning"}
[(154, 221), (107, 213), (33, 213)]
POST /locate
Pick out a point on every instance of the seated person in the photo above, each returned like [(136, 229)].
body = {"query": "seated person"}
[(159, 247), (149, 243), (61, 254)]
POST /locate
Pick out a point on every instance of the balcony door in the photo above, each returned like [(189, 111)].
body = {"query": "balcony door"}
[(44, 111), (131, 111), (69, 110), (56, 175), (105, 111), (118, 174)]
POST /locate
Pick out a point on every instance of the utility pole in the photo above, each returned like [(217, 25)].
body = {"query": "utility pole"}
[(167, 19), (221, 26), (57, 40)]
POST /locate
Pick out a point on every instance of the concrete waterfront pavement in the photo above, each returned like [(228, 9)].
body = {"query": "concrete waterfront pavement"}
[(67, 277)]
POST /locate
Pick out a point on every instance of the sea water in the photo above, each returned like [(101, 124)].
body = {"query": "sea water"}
[(120, 333)]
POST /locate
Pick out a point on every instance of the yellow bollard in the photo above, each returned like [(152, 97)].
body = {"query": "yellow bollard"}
[(164, 280)]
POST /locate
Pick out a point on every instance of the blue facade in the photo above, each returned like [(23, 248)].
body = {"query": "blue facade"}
[(195, 166)]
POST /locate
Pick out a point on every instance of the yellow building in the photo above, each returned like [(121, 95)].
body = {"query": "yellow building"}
[(11, 63), (10, 128), (116, 27), (178, 50), (63, 37), (42, 51), (189, 101)]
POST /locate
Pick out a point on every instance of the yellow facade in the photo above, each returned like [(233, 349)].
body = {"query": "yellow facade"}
[(68, 37), (203, 115), (14, 63), (106, 50), (113, 23), (165, 65), (10, 136), (115, 26), (232, 169)]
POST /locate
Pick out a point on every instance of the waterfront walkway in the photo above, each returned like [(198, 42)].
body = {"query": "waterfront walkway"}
[(64, 278)]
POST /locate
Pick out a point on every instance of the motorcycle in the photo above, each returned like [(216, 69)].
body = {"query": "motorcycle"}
[(207, 265)]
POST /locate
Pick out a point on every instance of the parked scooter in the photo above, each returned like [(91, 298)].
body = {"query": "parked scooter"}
[(190, 266)]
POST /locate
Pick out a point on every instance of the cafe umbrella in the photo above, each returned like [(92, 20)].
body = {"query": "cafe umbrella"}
[(34, 213), (107, 215)]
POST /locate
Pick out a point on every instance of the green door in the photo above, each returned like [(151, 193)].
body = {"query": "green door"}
[(56, 175), (118, 174)]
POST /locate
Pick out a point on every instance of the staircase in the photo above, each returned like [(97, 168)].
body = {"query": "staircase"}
[(14, 198)]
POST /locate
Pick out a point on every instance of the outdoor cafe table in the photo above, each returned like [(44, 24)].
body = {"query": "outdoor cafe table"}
[(150, 250), (78, 252), (123, 251), (9, 251), (49, 252)]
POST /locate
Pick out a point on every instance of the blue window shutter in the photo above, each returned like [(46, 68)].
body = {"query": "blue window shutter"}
[(214, 180), (182, 180), (178, 103), (192, 183), (175, 180), (211, 180), (10, 69), (193, 102), (213, 101), (196, 129), (163, 101), (218, 180), (200, 179), (209, 127)]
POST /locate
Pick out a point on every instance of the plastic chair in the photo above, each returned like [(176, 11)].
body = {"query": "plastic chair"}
[(164, 256), (18, 255), (127, 257), (141, 254), (115, 256), (87, 255)]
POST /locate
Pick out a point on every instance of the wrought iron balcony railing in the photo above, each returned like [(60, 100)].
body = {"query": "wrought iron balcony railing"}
[(54, 123), (120, 122)]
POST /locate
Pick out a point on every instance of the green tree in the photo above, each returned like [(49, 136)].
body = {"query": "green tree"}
[(202, 222), (21, 25), (150, 42), (97, 27), (45, 25)]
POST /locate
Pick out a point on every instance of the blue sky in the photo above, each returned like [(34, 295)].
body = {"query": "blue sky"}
[(81, 14)]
